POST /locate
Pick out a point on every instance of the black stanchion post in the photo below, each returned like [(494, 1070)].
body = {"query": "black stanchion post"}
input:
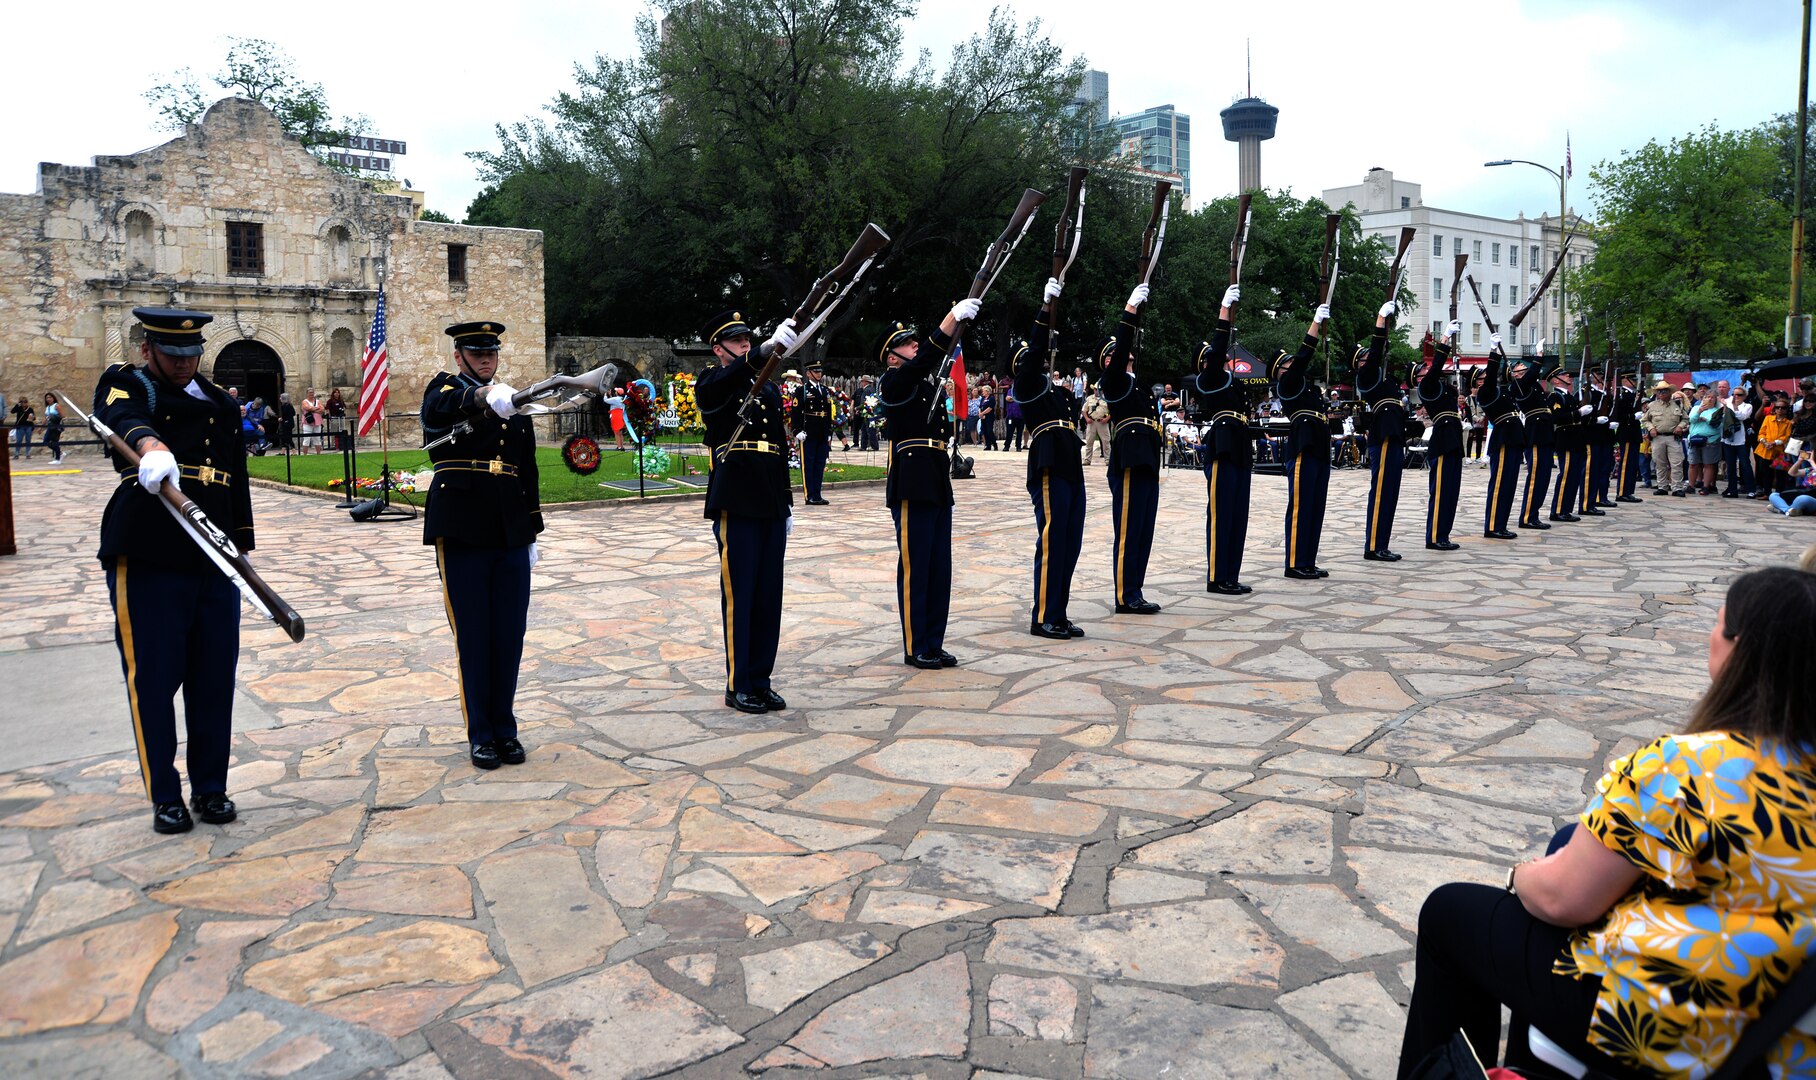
[(341, 438)]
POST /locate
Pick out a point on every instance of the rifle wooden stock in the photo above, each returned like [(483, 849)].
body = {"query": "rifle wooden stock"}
[(1407, 232), (1456, 283), (1066, 238), (1327, 264), (994, 260), (826, 293), (1239, 242), (1539, 292), (1156, 233), (214, 542)]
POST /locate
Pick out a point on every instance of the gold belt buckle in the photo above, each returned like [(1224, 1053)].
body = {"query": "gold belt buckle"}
[(205, 474), (495, 467), (763, 446)]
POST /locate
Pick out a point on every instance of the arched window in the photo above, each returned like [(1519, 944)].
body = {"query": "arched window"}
[(340, 351), (340, 253), (138, 239)]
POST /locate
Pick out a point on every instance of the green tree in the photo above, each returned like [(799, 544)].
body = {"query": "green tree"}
[(740, 150), (436, 216), (263, 72), (1690, 246)]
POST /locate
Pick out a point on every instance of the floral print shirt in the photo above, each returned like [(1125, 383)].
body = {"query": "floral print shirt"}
[(1723, 830)]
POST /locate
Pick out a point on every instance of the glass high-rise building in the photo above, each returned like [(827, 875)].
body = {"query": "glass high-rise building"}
[(1159, 140), (1093, 96)]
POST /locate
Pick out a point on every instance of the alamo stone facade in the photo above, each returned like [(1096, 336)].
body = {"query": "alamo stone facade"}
[(235, 218)]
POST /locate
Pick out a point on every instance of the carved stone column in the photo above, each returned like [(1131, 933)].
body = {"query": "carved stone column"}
[(318, 343)]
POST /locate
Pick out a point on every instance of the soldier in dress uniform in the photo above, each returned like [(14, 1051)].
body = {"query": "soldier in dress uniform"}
[(484, 511), (919, 488), (812, 424), (1386, 438), (1506, 441), (1229, 456), (1533, 393), (1567, 412), (1056, 477), (747, 500), (1444, 448), (1628, 428), (176, 616), (1598, 432), (1134, 459), (1307, 453)]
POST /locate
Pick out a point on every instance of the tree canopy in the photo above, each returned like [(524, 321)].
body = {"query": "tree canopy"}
[(1691, 246), (259, 70)]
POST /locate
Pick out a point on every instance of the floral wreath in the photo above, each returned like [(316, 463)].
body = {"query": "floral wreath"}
[(640, 411)]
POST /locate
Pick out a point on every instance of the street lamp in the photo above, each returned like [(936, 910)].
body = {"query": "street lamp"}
[(1563, 335)]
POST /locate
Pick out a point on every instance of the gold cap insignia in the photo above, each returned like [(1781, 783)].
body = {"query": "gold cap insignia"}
[(487, 328), (188, 324), (737, 316)]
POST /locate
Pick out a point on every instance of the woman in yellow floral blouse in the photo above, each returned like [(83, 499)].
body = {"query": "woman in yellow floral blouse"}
[(1649, 937)]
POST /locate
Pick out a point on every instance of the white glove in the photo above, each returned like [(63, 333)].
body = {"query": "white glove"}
[(1139, 296), (1639, 416), (1601, 419), (535, 556), (1453, 328), (1232, 295), (1322, 314), (1585, 410), (1388, 310), (788, 526), (1051, 292), (155, 467), (801, 437), (785, 336), (966, 310), (498, 399), (1493, 339)]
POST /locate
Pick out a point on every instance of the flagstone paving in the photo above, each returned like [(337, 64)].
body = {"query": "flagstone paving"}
[(1188, 845)]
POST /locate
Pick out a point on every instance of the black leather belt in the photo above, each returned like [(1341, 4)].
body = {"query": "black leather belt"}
[(495, 466)]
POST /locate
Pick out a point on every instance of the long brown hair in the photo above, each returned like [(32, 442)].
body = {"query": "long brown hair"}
[(1763, 689)]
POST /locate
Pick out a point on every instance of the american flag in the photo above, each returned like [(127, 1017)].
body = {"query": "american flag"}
[(375, 372), (1566, 155)]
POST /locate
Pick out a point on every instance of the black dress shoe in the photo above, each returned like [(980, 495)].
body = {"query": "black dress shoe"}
[(1304, 573), (1730, 494), (929, 661), (746, 700), (1680, 493), (1056, 631), (1501, 534), (1380, 555), (1565, 517), (1228, 588), (1590, 511), (170, 817), (510, 751), (772, 699), (947, 659), (1442, 545), (1534, 525), (1630, 499), (1606, 503), (215, 809), (1139, 607), (1661, 491), (818, 502), (484, 755), (1073, 629)]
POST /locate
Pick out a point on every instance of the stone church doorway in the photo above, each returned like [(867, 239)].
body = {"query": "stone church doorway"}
[(252, 366)]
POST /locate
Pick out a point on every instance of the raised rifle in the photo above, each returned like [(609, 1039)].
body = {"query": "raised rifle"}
[(1327, 264), (1397, 269), (1610, 382), (1066, 239), (596, 383), (995, 259), (1538, 292), (1477, 290), (1240, 242), (1155, 234), (220, 549), (1456, 298), (822, 298)]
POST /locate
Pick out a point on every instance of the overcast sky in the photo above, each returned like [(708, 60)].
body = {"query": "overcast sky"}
[(1432, 90)]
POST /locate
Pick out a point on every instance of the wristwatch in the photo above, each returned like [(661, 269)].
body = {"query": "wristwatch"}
[(1510, 887)]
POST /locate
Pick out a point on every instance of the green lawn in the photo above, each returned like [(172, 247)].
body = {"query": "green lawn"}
[(559, 484)]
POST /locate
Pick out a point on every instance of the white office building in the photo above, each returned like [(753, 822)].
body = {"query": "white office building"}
[(1507, 257)]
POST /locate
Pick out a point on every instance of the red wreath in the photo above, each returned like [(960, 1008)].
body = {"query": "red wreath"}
[(640, 411), (581, 455)]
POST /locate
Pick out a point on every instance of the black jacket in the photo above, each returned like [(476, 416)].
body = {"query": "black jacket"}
[(813, 405), (1535, 406), (1497, 397), (1301, 402), (204, 436), (485, 492), (1386, 409), (1224, 402), (918, 472), (1135, 434), (1047, 410), (751, 478), (1439, 397)]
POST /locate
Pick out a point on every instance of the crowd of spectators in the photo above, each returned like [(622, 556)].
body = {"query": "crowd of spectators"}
[(1745, 442)]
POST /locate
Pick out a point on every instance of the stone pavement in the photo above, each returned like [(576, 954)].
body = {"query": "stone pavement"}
[(1190, 845)]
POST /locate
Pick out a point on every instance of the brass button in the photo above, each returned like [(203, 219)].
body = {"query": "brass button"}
[(211, 419), (208, 461)]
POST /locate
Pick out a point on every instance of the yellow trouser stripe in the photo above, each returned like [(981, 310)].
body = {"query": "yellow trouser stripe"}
[(441, 567), (1437, 499), (1494, 496), (1374, 505), (1531, 474), (1292, 516), (907, 597), (727, 602), (123, 619), (1210, 556), (1122, 534), (1046, 550)]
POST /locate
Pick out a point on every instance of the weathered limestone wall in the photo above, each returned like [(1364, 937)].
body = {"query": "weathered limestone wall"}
[(637, 358), (151, 229)]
